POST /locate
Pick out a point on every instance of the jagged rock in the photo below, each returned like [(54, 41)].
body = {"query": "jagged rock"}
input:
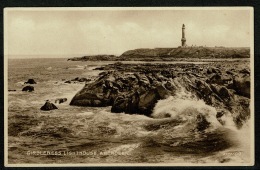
[(30, 81), (167, 74), (28, 88), (245, 71), (162, 92), (136, 88), (221, 91), (81, 79), (147, 101), (219, 79), (89, 99), (119, 105), (204, 88), (225, 94), (220, 114), (204, 91), (75, 79), (230, 72), (48, 106), (143, 80), (170, 86), (241, 85), (213, 70), (68, 81)]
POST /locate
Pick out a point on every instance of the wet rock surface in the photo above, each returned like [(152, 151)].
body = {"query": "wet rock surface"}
[(48, 106), (77, 80), (136, 88), (28, 88), (30, 81)]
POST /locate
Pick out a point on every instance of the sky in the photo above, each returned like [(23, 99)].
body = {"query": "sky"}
[(84, 31)]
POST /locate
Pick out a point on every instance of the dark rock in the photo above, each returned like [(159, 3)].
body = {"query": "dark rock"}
[(167, 74), (60, 100), (127, 104), (242, 85), (213, 70), (28, 88), (89, 99), (134, 103), (136, 88), (221, 91), (68, 81), (225, 94), (230, 72), (119, 105), (204, 91), (99, 68), (202, 123), (30, 81), (143, 80), (147, 101), (81, 79), (244, 71), (220, 114), (170, 86), (162, 92), (219, 79), (102, 73), (84, 80), (204, 88), (75, 79), (48, 106), (11, 90)]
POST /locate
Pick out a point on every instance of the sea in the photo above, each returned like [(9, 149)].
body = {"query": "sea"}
[(94, 135)]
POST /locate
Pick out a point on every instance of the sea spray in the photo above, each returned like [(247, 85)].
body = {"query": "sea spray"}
[(185, 109), (179, 122)]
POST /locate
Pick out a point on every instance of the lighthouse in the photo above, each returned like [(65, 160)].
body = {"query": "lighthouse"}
[(183, 39)]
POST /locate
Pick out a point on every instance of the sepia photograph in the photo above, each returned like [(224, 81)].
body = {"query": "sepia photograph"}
[(132, 86)]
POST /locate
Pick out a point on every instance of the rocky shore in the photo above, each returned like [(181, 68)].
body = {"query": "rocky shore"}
[(136, 88)]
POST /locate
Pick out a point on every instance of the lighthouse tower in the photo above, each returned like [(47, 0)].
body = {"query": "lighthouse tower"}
[(183, 40)]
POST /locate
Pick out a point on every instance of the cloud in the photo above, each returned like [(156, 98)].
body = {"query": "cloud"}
[(113, 32)]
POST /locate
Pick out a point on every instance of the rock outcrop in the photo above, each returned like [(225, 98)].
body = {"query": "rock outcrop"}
[(168, 54), (77, 79), (30, 81), (82, 79), (136, 88), (171, 54), (241, 85), (48, 106), (28, 88), (94, 58)]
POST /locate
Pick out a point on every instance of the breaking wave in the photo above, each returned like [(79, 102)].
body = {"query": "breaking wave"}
[(189, 126)]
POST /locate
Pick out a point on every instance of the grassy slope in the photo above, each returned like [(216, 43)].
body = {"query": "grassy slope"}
[(168, 54), (187, 52)]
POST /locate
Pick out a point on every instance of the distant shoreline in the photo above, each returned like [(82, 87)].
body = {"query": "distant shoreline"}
[(171, 54), (154, 61)]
